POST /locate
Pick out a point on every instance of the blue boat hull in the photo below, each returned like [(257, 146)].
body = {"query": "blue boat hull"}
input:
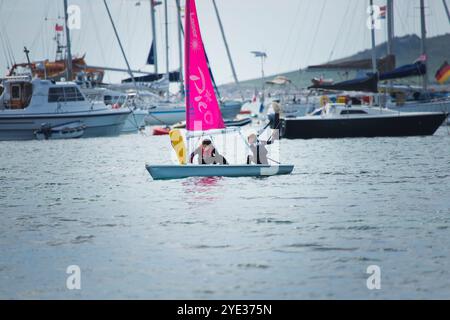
[(168, 172)]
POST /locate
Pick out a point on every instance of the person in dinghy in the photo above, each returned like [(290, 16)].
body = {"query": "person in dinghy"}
[(207, 154), (258, 149)]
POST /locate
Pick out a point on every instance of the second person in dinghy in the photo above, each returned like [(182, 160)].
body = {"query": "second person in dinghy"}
[(207, 154), (258, 149)]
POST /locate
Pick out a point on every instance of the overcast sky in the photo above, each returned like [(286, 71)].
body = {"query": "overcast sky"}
[(294, 33)]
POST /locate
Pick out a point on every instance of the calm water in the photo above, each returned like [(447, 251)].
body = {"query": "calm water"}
[(349, 204)]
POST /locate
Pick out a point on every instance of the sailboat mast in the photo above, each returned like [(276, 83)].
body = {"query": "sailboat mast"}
[(390, 28), (166, 16), (390, 33), (424, 40), (372, 31), (374, 54), (68, 45), (155, 51), (120, 44), (233, 70), (446, 10), (180, 44)]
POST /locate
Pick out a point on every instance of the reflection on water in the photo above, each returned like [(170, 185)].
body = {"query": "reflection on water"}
[(349, 204)]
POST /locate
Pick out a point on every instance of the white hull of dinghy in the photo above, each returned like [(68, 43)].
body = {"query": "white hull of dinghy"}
[(169, 172)]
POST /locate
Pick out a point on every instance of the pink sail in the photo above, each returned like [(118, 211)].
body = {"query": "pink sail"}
[(202, 108)]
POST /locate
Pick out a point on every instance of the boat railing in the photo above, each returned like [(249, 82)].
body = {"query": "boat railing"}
[(17, 78)]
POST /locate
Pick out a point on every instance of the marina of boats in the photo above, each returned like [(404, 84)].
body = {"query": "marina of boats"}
[(371, 105), (224, 149)]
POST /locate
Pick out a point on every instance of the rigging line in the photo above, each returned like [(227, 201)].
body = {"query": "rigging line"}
[(340, 30), (297, 42), (9, 47), (290, 34), (349, 32), (403, 24), (7, 44), (39, 30), (303, 35), (316, 32), (99, 42), (132, 41), (434, 28), (117, 21), (5, 52), (365, 35)]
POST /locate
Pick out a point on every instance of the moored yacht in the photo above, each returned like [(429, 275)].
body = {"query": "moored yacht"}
[(27, 106), (437, 105), (117, 99), (172, 113), (336, 120)]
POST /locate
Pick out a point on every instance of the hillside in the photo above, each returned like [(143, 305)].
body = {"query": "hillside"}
[(407, 50)]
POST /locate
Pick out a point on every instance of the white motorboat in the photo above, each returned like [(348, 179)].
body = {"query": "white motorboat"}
[(26, 104), (117, 99)]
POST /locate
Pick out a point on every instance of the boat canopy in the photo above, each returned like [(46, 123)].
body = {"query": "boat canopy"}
[(385, 64), (365, 84), (416, 69), (279, 80), (174, 76)]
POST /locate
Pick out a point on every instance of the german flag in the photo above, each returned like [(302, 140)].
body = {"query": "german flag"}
[(443, 74)]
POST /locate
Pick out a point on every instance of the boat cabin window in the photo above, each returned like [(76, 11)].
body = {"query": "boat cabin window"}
[(64, 94), (56, 94), (73, 94), (15, 92), (19, 95), (110, 100), (353, 112)]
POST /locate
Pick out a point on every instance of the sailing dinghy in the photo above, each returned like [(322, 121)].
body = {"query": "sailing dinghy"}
[(203, 117)]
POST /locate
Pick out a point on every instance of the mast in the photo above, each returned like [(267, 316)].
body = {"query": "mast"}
[(446, 10), (390, 28), (180, 44), (372, 31), (374, 54), (390, 33), (155, 51), (166, 26), (120, 44), (424, 40), (68, 47), (233, 70)]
